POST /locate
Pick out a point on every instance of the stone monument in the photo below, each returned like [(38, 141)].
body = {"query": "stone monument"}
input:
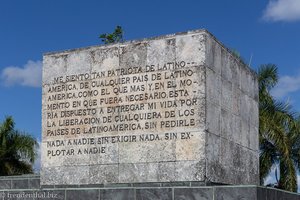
[(175, 108)]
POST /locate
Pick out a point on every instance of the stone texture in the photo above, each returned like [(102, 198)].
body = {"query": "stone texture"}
[(213, 87), (161, 51), (190, 170), (53, 66), (34, 183), (175, 108), (230, 193), (141, 172), (167, 171), (117, 194), (191, 47), (82, 195), (261, 194), (213, 118), (19, 184), (193, 194), (234, 90), (177, 184), (5, 184), (65, 175), (154, 194), (103, 174)]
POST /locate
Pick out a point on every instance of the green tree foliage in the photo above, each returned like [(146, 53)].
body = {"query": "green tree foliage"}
[(17, 150), (116, 36), (279, 136)]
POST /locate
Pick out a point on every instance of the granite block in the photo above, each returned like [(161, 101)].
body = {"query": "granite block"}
[(117, 194), (34, 183), (193, 194), (5, 184), (82, 194), (20, 184), (231, 193), (154, 194)]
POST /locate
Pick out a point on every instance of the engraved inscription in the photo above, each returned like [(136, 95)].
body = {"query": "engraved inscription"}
[(87, 113)]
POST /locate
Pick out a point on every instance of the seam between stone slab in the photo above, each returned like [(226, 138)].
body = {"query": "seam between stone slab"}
[(233, 141), (134, 193), (24, 175), (114, 188), (8, 179), (133, 163), (205, 116), (270, 188), (20, 190), (234, 186), (160, 162), (127, 185), (132, 185), (134, 188), (205, 187)]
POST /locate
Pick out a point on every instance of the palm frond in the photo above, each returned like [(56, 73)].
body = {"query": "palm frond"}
[(279, 132), (17, 150)]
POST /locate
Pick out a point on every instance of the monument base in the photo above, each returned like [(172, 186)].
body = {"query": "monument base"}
[(28, 187)]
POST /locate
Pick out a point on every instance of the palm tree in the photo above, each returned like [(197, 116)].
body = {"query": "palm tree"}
[(279, 136), (17, 150)]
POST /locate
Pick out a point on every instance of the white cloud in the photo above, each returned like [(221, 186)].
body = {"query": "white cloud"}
[(282, 10), (286, 85), (28, 75)]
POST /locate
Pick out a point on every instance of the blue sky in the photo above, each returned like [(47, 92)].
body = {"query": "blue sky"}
[(267, 30)]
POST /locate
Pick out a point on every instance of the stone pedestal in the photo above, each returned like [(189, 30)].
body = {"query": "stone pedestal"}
[(169, 109), (28, 187)]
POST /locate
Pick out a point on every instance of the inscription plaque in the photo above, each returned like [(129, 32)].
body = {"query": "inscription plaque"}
[(129, 112)]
